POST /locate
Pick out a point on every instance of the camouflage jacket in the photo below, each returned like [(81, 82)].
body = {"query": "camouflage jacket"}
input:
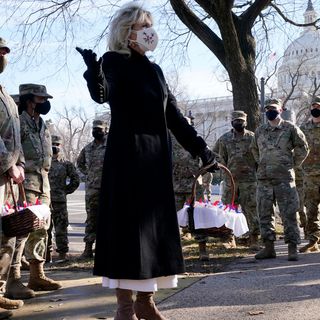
[(235, 153), (278, 150), (63, 178), (36, 144), (311, 165), (184, 168), (90, 163), (10, 143)]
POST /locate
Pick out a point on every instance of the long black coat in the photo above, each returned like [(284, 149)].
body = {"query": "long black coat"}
[(137, 229)]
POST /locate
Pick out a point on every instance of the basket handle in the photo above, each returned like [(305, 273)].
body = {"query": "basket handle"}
[(21, 192), (204, 170)]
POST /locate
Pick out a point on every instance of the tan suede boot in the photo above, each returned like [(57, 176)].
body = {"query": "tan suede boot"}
[(203, 255), (312, 246), (15, 289), (10, 304), (4, 314), (145, 308), (125, 305), (267, 252), (38, 281)]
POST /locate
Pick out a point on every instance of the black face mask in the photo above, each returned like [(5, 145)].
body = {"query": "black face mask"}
[(315, 113), (238, 126), (272, 114), (98, 135), (42, 108), (55, 149)]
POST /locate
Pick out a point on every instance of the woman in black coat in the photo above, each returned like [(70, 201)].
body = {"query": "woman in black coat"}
[(138, 242)]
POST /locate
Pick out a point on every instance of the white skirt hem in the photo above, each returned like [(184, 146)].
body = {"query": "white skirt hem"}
[(146, 285)]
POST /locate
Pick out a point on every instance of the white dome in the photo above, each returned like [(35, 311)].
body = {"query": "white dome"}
[(307, 46), (301, 59)]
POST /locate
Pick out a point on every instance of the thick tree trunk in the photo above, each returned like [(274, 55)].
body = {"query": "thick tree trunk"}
[(245, 97)]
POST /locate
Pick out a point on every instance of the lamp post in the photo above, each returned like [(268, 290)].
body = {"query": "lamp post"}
[(262, 99)]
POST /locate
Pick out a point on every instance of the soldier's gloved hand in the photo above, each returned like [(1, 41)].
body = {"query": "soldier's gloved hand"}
[(208, 157), (90, 59)]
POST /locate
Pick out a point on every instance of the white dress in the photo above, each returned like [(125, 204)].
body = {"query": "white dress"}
[(146, 285)]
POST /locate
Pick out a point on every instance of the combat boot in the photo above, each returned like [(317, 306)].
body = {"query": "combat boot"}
[(49, 256), (15, 289), (230, 242), (38, 281), (254, 242), (267, 252), (24, 263), (292, 252), (87, 253), (62, 256), (4, 314), (203, 255), (10, 304), (312, 246)]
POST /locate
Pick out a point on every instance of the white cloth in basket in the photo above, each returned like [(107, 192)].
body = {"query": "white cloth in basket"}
[(42, 211), (207, 215)]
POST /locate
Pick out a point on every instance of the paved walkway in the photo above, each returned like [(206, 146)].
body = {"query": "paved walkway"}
[(264, 290)]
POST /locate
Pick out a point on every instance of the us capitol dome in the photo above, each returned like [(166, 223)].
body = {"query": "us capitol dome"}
[(300, 69)]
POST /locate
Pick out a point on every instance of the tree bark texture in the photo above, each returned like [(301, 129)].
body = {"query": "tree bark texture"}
[(235, 46)]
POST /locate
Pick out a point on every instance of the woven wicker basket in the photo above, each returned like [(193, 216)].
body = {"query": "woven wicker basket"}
[(221, 232), (21, 222)]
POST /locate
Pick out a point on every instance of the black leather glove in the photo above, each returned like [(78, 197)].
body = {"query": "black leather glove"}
[(90, 59), (208, 157)]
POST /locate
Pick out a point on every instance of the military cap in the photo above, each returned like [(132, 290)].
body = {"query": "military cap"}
[(273, 103), (316, 100), (99, 124), (35, 89), (16, 98), (3, 44), (238, 114), (56, 139)]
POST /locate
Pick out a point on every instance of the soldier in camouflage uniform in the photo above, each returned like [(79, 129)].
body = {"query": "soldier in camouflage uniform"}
[(90, 163), (301, 210), (184, 169), (61, 170), (11, 166), (36, 144), (206, 185), (278, 147), (311, 177), (234, 152)]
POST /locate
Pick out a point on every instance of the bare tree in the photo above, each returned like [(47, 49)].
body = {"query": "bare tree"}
[(226, 27), (74, 126), (233, 43)]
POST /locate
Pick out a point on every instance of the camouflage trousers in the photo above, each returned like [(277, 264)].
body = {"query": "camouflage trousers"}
[(285, 194), (60, 222), (301, 209), (181, 198), (7, 245), (35, 243), (311, 187), (92, 206), (245, 196)]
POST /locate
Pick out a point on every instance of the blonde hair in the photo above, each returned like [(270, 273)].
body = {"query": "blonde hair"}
[(121, 25)]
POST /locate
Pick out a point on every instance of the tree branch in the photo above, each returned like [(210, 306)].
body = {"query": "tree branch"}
[(286, 19), (250, 15), (200, 29)]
